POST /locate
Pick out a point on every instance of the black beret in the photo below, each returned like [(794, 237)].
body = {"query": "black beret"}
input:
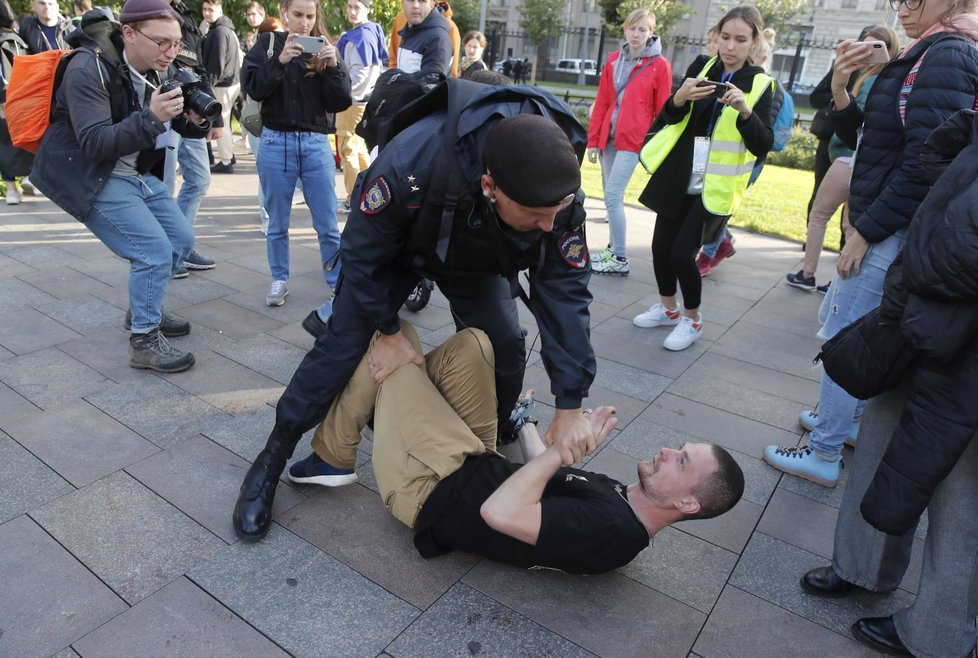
[(531, 159)]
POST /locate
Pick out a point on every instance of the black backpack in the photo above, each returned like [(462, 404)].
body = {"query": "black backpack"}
[(394, 91)]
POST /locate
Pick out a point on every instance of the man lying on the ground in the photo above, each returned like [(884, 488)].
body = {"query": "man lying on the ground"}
[(434, 455)]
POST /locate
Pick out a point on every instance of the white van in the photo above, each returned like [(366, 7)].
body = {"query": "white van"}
[(574, 66)]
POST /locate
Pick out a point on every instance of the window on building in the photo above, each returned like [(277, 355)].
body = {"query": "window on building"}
[(781, 67)]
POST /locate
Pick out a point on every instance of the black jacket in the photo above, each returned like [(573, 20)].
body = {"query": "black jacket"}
[(291, 100), (666, 190), (190, 54), (887, 182), (427, 47), (221, 53), (400, 199), (96, 120), (30, 32), (933, 290)]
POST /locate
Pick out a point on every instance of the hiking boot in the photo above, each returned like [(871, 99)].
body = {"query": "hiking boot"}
[(657, 316), (170, 326), (616, 265), (182, 273), (253, 510), (804, 463), (799, 280), (725, 250), (685, 334), (603, 254), (277, 293), (197, 262), (13, 196), (313, 470), (809, 419), (703, 264), (153, 351)]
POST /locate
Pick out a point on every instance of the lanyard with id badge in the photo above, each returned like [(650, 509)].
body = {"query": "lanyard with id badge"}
[(163, 139), (701, 148)]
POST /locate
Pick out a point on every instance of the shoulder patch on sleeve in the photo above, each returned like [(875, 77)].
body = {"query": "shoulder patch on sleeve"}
[(573, 249), (376, 196)]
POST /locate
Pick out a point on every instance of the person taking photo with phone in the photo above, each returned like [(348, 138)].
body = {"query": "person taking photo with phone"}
[(711, 132), (299, 90)]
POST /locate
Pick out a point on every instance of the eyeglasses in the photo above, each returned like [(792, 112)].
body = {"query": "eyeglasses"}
[(163, 44), (911, 4)]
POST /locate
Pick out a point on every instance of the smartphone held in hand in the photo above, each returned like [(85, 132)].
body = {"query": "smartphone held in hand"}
[(310, 44), (719, 89)]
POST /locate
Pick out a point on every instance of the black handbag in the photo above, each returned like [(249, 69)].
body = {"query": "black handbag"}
[(821, 125), (867, 357)]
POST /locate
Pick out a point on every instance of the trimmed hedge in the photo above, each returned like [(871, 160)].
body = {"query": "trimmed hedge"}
[(799, 153)]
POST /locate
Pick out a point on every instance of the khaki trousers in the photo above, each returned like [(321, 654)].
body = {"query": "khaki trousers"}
[(224, 147), (351, 148), (426, 421)]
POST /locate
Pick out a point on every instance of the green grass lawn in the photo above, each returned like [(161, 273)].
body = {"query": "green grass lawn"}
[(775, 205)]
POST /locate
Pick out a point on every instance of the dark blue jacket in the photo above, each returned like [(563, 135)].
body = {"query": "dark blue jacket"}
[(426, 47), (887, 182)]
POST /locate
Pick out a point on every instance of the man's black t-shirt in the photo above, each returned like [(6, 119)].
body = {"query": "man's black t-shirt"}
[(587, 524)]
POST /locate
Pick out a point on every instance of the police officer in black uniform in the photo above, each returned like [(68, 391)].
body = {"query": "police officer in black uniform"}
[(468, 198)]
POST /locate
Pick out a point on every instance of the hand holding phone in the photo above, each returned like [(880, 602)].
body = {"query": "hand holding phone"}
[(719, 89), (309, 44), (875, 52)]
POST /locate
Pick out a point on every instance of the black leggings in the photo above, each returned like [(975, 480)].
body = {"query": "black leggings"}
[(675, 242)]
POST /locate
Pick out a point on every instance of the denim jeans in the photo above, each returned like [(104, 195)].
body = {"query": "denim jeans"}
[(711, 249), (848, 300), (137, 219), (616, 170), (284, 157), (195, 169)]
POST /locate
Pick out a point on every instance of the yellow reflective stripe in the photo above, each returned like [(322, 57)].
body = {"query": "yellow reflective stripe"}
[(729, 169)]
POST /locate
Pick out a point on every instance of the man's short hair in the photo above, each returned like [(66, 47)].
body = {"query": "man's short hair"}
[(719, 491)]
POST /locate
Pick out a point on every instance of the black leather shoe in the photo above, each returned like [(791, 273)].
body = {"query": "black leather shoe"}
[(879, 633), (221, 168), (823, 581), (313, 325), (253, 511)]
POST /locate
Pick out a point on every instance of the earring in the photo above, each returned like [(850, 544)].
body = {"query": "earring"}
[(485, 193)]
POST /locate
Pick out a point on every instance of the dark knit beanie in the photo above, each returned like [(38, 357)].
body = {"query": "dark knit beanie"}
[(531, 159), (146, 10)]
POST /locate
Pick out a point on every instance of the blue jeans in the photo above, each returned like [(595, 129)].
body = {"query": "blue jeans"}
[(711, 249), (137, 219), (283, 158), (848, 300), (616, 170), (195, 169)]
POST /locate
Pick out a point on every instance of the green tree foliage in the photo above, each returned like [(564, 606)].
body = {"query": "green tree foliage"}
[(542, 20), (667, 13), (779, 15)]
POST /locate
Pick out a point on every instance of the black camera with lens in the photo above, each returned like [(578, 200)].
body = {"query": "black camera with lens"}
[(194, 98)]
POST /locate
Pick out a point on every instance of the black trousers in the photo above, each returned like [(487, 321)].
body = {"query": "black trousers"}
[(675, 243), (481, 302)]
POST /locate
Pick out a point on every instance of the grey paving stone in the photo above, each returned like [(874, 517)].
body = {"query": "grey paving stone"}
[(770, 569), (617, 339), (684, 567), (16, 293), (83, 313), (266, 355), (466, 623), (774, 382), (801, 522), (10, 267), (245, 435), (110, 270), (198, 290), (351, 524), (305, 601), (13, 405), (715, 425), (294, 310), (227, 385), (44, 256), (744, 625), (106, 352), (26, 481), (781, 350), (48, 599), (201, 479), (201, 338), (80, 442), (178, 620), (229, 274), (156, 409), (64, 282), (593, 612), (130, 538), (50, 378), (230, 319), (23, 330), (67, 652), (630, 381)]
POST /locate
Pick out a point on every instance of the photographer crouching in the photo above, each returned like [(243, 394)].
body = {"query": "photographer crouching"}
[(101, 160)]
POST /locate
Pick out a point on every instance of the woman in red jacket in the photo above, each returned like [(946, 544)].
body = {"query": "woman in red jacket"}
[(635, 83)]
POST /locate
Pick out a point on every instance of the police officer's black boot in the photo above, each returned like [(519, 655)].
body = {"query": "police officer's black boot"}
[(253, 511)]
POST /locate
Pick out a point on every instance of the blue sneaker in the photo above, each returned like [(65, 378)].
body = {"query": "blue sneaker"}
[(809, 418), (799, 280), (313, 470), (805, 464)]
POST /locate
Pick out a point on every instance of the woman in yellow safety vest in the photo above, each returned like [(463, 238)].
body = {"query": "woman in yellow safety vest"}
[(710, 133)]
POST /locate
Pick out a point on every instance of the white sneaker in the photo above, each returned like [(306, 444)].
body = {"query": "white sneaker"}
[(276, 295), (13, 196), (27, 187), (614, 265), (685, 333), (657, 316), (604, 254)]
